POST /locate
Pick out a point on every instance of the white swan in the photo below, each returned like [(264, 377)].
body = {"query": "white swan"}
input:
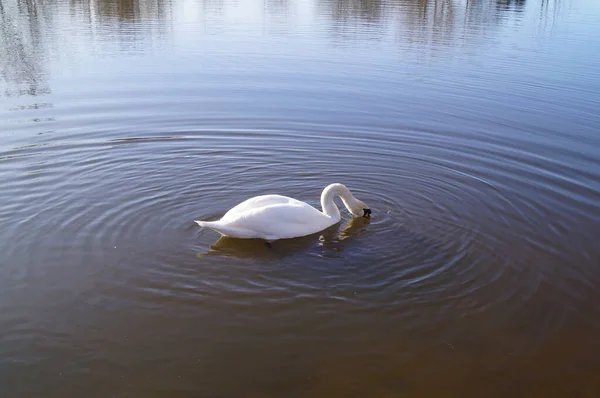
[(273, 217)]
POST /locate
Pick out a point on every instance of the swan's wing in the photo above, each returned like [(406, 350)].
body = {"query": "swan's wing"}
[(281, 220), (256, 203)]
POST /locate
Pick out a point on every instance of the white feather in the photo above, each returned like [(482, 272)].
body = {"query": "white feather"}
[(273, 217)]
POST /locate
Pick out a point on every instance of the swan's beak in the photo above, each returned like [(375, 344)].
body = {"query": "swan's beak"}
[(367, 213)]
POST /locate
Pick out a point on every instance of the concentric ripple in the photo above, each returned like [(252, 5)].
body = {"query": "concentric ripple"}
[(469, 128), (445, 225)]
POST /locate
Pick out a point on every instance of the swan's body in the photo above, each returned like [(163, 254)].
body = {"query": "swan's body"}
[(273, 217)]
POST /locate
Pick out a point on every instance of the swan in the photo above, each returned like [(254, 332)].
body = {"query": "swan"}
[(273, 217)]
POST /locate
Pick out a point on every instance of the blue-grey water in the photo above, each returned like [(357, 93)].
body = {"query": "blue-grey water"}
[(471, 128)]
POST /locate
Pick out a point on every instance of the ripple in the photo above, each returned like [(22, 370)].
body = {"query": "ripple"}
[(441, 216), (475, 146)]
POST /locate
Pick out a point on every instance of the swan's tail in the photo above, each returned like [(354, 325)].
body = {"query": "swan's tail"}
[(214, 225), (225, 230)]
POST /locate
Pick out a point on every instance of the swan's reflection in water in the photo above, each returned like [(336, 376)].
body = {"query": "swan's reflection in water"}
[(330, 238)]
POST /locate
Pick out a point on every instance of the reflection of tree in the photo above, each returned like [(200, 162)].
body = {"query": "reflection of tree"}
[(350, 17), (27, 30), (511, 5), (277, 7), (430, 21), (422, 21), (277, 14), (132, 10), (365, 10), (21, 48), (213, 6), (130, 22)]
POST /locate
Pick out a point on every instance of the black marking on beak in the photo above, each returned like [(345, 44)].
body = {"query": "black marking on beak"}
[(367, 213)]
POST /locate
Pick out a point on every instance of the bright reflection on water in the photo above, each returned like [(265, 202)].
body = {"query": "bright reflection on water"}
[(469, 127)]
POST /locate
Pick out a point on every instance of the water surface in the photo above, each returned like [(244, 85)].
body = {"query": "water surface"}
[(469, 127)]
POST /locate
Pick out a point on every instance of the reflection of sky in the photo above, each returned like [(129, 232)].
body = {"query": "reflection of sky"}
[(82, 36), (56, 57)]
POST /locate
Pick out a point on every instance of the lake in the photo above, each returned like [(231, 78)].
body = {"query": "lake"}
[(470, 128)]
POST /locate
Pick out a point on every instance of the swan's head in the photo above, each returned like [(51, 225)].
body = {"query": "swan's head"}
[(358, 208)]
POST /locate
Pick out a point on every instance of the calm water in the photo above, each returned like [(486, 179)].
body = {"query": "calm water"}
[(471, 128)]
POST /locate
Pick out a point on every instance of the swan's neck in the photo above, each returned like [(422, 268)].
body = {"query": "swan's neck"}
[(329, 207)]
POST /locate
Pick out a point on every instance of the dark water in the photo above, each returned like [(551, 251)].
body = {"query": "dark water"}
[(471, 128)]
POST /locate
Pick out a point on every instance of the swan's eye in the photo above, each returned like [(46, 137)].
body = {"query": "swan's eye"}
[(367, 213)]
